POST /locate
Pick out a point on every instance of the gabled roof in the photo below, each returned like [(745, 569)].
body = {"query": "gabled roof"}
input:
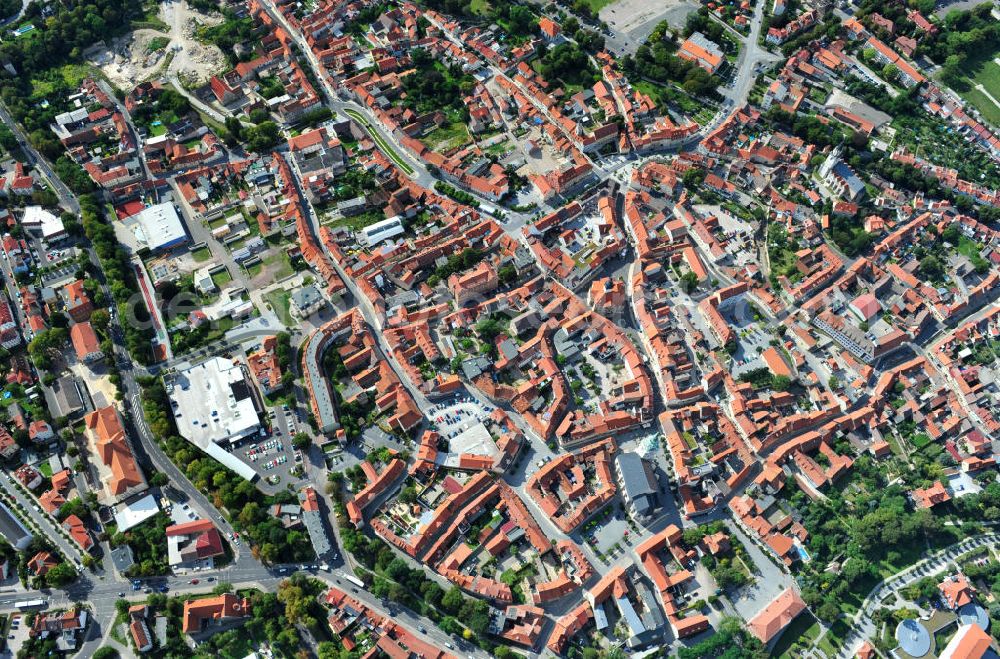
[(222, 607), (84, 338), (777, 615), (113, 448), (190, 528)]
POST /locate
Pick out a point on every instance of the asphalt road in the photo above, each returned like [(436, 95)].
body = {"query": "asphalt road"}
[(29, 507), (40, 163)]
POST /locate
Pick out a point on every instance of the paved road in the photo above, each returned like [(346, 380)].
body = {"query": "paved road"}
[(196, 102), (40, 163), (751, 55), (28, 506), (16, 17)]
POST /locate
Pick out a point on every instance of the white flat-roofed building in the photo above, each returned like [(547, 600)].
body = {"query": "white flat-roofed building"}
[(213, 402), (373, 234), (130, 515), (40, 221), (157, 227)]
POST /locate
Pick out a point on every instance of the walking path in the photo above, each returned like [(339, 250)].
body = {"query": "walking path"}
[(988, 95), (862, 625)]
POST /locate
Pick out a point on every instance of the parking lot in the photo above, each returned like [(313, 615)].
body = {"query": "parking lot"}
[(272, 456), (17, 634), (608, 531), (457, 415)]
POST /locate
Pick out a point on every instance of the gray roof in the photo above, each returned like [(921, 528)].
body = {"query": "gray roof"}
[(12, 529), (475, 366), (322, 395), (65, 397), (305, 296), (636, 482), (632, 619), (913, 638), (122, 557), (854, 185), (600, 616), (313, 520), (508, 348), (633, 473), (972, 613)]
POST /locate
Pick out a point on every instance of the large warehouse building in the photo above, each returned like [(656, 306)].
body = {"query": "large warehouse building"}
[(157, 228), (213, 404)]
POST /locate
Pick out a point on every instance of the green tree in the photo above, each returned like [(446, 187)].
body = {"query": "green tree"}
[(689, 281), (60, 575), (781, 382), (453, 600)]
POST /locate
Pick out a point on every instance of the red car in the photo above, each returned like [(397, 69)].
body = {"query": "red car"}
[(194, 582)]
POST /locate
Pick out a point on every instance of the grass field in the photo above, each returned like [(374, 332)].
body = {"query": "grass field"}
[(833, 639), (222, 277), (983, 71), (281, 266), (597, 5), (358, 222), (201, 254), (279, 301), (479, 7), (449, 136), (72, 75), (968, 247)]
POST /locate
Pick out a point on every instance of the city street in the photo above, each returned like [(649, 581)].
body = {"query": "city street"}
[(29, 507)]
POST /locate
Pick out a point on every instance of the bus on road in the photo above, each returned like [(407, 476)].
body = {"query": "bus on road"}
[(25, 605), (354, 580)]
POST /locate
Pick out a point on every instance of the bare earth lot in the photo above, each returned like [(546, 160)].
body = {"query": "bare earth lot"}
[(129, 60), (631, 21)]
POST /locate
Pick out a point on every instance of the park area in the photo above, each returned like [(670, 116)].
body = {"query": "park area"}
[(981, 85)]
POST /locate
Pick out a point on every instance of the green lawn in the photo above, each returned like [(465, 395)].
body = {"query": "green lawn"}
[(983, 70), (201, 254), (358, 222), (72, 75), (255, 269), (597, 5), (280, 265), (982, 102), (449, 136), (280, 303), (968, 247), (833, 638), (45, 468), (802, 632), (222, 277), (479, 7), (499, 148)]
